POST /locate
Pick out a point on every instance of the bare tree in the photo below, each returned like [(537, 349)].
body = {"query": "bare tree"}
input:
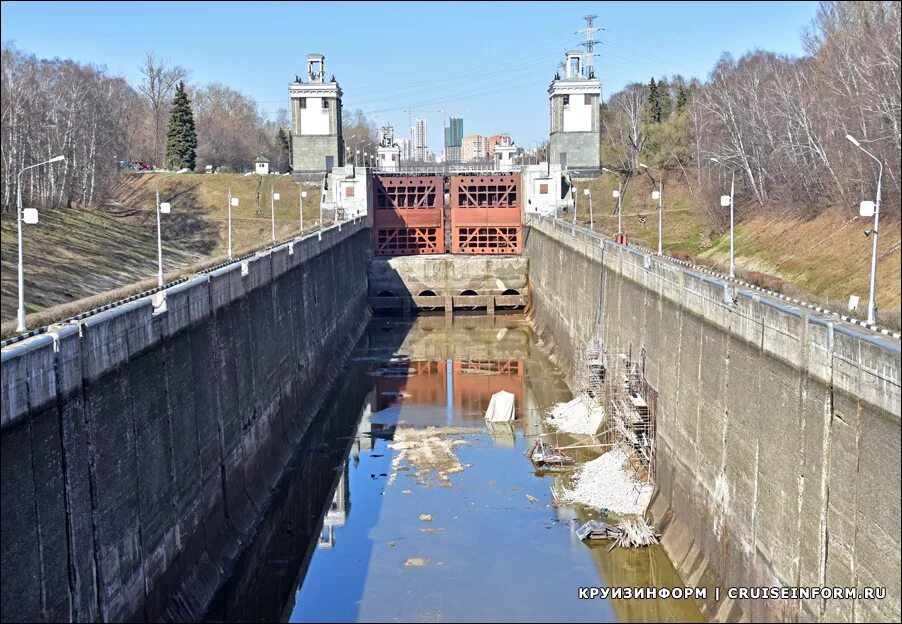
[(158, 87)]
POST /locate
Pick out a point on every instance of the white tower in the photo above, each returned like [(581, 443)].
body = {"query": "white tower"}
[(574, 103), (316, 142)]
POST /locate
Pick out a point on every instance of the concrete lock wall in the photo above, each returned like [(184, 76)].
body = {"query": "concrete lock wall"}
[(140, 446), (778, 429)]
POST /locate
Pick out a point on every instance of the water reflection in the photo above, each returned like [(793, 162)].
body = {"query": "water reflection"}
[(476, 548)]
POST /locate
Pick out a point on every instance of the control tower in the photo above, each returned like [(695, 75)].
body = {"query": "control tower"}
[(316, 142), (574, 101)]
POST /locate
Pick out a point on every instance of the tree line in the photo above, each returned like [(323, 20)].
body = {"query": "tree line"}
[(778, 122), (98, 120)]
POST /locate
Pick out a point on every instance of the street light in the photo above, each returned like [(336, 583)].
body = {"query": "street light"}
[(659, 195), (863, 211), (728, 201), (164, 208), (30, 218), (273, 198), (618, 194), (233, 201), (303, 195), (588, 193), (357, 158)]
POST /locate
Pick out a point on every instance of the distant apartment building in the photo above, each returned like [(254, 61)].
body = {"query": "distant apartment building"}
[(419, 140), (494, 141), (404, 145), (473, 148), (454, 135)]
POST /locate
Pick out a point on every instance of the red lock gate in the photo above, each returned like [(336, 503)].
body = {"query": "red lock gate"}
[(486, 214), (407, 217)]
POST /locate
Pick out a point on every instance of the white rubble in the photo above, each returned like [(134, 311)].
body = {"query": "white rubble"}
[(605, 483), (580, 416)]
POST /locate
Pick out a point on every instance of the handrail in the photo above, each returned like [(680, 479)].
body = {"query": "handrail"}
[(582, 232)]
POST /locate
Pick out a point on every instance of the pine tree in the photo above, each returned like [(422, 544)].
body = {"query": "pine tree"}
[(682, 99), (284, 147), (655, 112), (181, 137)]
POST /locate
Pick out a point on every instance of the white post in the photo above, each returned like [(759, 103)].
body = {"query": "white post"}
[(575, 203), (272, 202), (230, 222), (620, 206), (660, 215), (591, 213), (20, 315), (20, 312), (159, 242), (732, 262), (301, 195), (872, 304)]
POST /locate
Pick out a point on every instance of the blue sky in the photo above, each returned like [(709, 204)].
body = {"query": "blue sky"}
[(492, 60)]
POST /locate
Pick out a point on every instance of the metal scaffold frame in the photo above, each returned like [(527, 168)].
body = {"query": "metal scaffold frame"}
[(610, 377)]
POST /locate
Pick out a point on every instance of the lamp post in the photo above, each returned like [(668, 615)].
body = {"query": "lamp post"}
[(724, 201), (575, 197), (303, 195), (660, 198), (273, 197), (233, 201), (872, 305), (31, 218), (164, 208), (357, 158), (618, 194), (588, 193)]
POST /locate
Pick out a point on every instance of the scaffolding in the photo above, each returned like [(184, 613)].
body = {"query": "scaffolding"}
[(612, 378)]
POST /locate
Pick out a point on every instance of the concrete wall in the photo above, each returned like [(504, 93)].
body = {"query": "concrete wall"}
[(778, 430), (583, 151), (140, 446), (447, 275)]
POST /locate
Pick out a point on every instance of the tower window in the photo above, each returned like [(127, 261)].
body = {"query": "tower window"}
[(303, 102), (566, 100), (588, 100), (325, 103)]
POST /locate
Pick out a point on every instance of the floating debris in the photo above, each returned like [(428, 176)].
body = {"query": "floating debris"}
[(426, 517), (429, 453), (416, 562), (532, 499), (546, 456), (630, 532)]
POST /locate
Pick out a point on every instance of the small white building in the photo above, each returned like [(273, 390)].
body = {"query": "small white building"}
[(388, 158), (261, 165), (504, 157), (350, 191), (545, 189)]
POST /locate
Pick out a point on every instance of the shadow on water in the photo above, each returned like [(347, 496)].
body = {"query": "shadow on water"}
[(478, 541)]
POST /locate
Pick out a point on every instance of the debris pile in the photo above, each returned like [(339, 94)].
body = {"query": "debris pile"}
[(582, 416), (607, 483), (545, 456), (428, 453)]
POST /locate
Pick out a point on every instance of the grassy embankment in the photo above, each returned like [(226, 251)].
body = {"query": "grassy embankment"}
[(822, 260), (107, 253), (79, 253)]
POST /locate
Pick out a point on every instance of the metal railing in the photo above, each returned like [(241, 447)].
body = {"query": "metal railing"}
[(582, 233)]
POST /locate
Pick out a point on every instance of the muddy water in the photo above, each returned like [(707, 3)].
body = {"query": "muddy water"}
[(403, 506)]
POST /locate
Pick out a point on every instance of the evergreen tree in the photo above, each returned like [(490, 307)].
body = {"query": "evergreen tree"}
[(181, 137), (682, 99), (654, 110), (284, 147)]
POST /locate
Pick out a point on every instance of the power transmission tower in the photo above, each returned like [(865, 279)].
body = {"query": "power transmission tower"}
[(590, 43)]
